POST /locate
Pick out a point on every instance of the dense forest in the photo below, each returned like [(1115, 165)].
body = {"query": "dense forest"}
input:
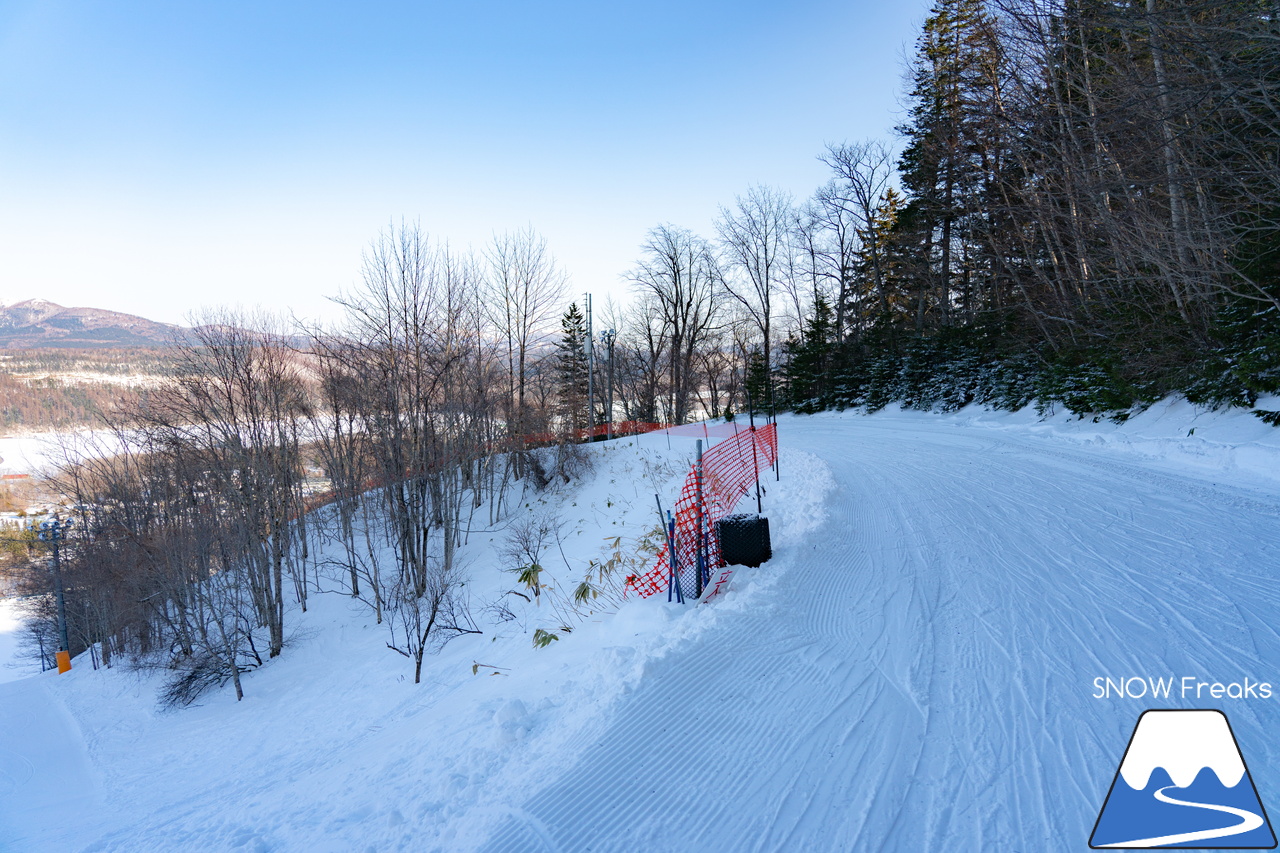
[(1081, 209), (1087, 214)]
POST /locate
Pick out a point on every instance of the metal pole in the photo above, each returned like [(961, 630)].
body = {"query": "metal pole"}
[(62, 599), (777, 453), (52, 532), (673, 571), (591, 400), (702, 539), (610, 336), (755, 458), (773, 416)]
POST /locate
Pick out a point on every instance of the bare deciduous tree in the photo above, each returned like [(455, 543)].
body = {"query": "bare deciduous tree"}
[(525, 290), (756, 239), (678, 274)]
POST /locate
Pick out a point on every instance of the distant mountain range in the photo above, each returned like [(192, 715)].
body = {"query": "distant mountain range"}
[(36, 323)]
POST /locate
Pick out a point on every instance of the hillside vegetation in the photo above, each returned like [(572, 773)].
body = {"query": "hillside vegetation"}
[(54, 389)]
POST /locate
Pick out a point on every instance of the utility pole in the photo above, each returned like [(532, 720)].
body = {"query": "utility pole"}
[(591, 369), (607, 337), (54, 532)]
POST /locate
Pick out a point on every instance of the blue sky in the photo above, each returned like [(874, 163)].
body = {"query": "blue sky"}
[(156, 157)]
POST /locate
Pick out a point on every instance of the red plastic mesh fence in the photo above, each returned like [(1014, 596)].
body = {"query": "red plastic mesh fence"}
[(620, 429), (728, 470)]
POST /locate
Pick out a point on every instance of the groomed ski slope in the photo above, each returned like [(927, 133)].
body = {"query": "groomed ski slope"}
[(921, 677), (913, 671)]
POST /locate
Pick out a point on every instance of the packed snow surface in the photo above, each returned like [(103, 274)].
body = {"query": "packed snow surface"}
[(914, 670), (12, 667)]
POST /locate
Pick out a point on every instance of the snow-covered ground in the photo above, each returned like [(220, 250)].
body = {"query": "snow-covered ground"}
[(35, 454), (915, 669), (12, 667), (22, 454), (30, 454), (94, 377)]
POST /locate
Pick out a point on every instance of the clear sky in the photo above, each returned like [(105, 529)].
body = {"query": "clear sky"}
[(156, 157)]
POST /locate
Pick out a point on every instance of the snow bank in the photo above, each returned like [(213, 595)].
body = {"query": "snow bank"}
[(335, 748), (1172, 435), (12, 667)]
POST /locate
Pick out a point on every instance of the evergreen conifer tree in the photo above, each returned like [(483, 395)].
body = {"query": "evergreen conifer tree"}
[(571, 370), (809, 357), (881, 261), (950, 156)]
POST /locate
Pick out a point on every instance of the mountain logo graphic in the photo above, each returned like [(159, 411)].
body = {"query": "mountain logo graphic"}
[(1183, 783)]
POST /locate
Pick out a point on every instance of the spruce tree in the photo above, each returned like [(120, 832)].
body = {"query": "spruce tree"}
[(571, 370), (951, 153), (808, 359), (881, 264)]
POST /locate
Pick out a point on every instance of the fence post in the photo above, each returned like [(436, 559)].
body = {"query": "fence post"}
[(773, 416), (755, 458), (673, 570), (701, 541)]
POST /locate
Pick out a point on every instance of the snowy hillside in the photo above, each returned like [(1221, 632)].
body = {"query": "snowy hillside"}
[(914, 670)]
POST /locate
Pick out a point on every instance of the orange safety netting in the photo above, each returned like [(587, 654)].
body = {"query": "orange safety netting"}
[(728, 470), (620, 429)]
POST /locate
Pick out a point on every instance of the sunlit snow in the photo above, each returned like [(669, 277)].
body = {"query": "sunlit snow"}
[(912, 671)]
